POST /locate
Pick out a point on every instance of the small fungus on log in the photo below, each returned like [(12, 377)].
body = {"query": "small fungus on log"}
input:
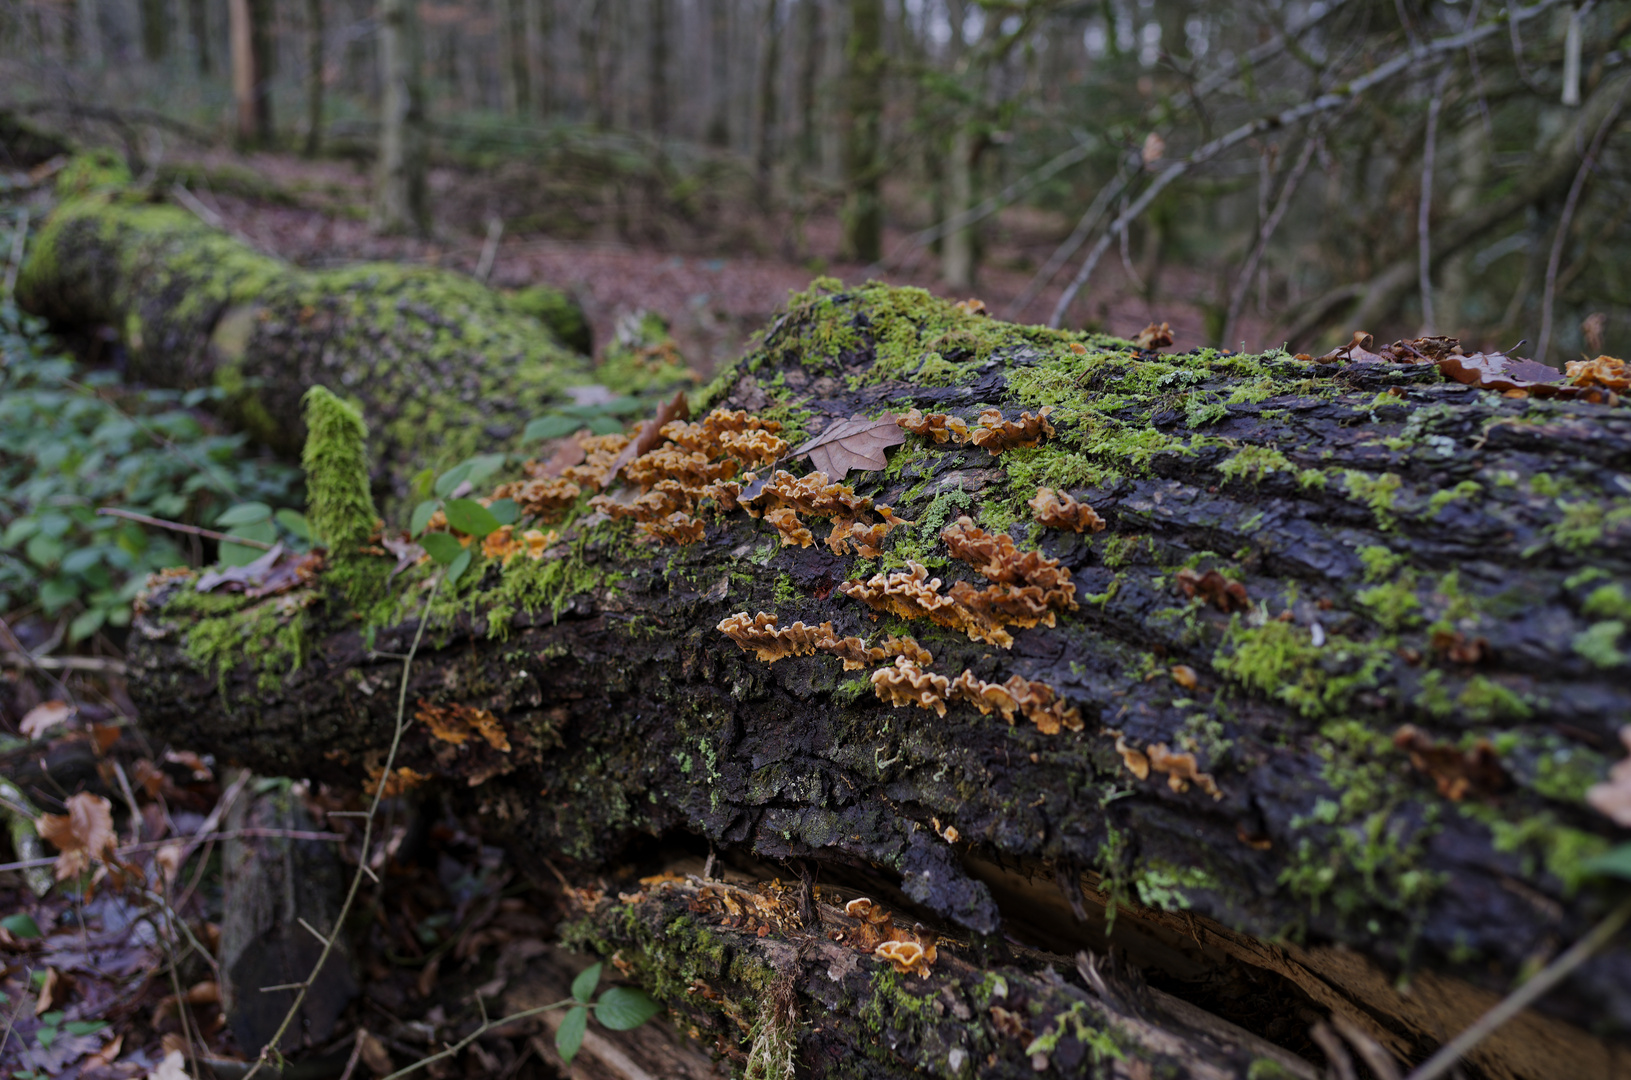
[(1057, 510), (996, 434)]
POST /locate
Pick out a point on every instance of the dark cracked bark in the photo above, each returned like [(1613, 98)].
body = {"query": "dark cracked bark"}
[(1411, 552)]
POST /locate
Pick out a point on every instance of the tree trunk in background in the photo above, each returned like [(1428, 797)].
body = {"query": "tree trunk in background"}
[(399, 195), (719, 74), (589, 35), (657, 70), (71, 44), (957, 248), (244, 76), (540, 18), (513, 60), (265, 50), (862, 223), (315, 35), (809, 74), (155, 29), (198, 23), (769, 72)]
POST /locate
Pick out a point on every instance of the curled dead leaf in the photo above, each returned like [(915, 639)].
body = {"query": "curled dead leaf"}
[(43, 717), (83, 834), (856, 443)]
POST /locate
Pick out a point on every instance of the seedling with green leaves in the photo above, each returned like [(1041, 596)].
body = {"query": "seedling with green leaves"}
[(620, 1008)]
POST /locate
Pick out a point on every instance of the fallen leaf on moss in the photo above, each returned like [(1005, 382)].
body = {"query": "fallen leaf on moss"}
[(856, 443)]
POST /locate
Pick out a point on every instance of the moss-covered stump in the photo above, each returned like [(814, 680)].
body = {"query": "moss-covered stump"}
[(1298, 561), (441, 364)]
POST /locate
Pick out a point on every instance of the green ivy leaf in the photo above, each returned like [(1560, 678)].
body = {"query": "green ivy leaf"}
[(505, 511), (583, 987), (85, 624), (569, 1036), (550, 427), (249, 513), (21, 925), (296, 523), (442, 547), (482, 466), (605, 425), (1615, 863), (422, 482), (458, 567), (451, 479), (422, 515), (624, 1007), (469, 516), (84, 1027)]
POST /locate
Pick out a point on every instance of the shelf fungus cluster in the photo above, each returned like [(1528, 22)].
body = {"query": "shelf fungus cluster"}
[(785, 496), (909, 952), (1057, 510), (695, 463), (908, 684), (759, 635), (993, 433), (1181, 769)]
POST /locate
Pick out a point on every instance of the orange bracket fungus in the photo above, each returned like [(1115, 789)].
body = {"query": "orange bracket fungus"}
[(941, 427), (1057, 510), (996, 434), (908, 684), (1215, 589)]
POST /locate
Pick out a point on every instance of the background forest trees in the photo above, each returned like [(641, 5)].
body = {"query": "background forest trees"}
[(1473, 184)]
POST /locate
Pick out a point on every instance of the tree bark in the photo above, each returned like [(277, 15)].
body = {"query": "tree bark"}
[(657, 70), (1243, 815), (769, 72)]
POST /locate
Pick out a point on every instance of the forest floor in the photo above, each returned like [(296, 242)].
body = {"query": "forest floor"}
[(716, 273)]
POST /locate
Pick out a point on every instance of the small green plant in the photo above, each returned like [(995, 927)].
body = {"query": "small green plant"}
[(601, 418), (447, 494), (620, 1008), (75, 441)]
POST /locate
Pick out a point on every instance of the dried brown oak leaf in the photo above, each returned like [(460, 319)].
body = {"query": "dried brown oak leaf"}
[(856, 443), (941, 427), (1612, 798), (1215, 589), (1057, 510), (908, 684), (84, 833), (1457, 773), (996, 434), (1153, 337)]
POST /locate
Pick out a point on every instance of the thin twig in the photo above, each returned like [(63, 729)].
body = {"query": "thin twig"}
[(1424, 209), (1061, 254), (1285, 118), (1526, 995), (367, 837), (1243, 284), (64, 663), (356, 1054), (489, 249), (486, 1026), (1587, 164), (176, 526)]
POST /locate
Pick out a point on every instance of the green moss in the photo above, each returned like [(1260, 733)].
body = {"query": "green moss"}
[(1600, 643), (558, 311), (272, 635), (1254, 463), (1607, 602), (1540, 839), (1311, 480), (1379, 562), (1376, 492), (1484, 700), (1163, 885), (1394, 604), (1467, 489), (1280, 661), (338, 504)]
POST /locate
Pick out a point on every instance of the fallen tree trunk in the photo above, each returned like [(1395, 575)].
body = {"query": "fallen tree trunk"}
[(441, 364), (1210, 768)]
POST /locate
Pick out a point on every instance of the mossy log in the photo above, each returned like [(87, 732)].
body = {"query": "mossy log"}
[(1239, 816), (441, 364)]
